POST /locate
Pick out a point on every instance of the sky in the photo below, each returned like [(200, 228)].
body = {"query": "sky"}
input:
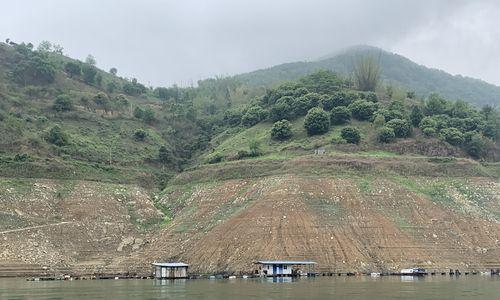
[(162, 42)]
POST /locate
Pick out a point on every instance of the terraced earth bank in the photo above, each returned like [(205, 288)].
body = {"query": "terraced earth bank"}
[(347, 213)]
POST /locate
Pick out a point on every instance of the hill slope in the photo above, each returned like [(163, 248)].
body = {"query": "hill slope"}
[(396, 70)]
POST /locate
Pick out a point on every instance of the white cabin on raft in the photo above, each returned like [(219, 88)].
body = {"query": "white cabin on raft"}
[(170, 270), (283, 268)]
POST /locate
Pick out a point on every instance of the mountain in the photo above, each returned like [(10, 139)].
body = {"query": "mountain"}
[(396, 70), (102, 175)]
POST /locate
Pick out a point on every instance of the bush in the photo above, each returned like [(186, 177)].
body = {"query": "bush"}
[(215, 158), (57, 137), (476, 144), (283, 109), (37, 68), (429, 131), (436, 105), (362, 110), (416, 116), (89, 73), (340, 115), (253, 116), (371, 96), (386, 135), (317, 121), (452, 136), (164, 155), (62, 103), (401, 128), (21, 157), (73, 69), (351, 135), (428, 122), (140, 134), (281, 130)]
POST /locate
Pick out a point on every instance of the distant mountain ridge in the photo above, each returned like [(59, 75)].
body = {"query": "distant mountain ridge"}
[(396, 69)]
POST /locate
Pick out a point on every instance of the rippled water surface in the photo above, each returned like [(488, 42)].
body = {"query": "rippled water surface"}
[(432, 287)]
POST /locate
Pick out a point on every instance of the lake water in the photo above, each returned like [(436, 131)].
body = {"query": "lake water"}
[(431, 287)]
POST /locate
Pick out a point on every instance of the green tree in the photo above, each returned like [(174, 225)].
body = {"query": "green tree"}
[(386, 135), (401, 127), (89, 73), (317, 121), (379, 120), (149, 115), (366, 73), (281, 130), (57, 137), (62, 103), (73, 69), (253, 116), (476, 145), (416, 115), (164, 155), (140, 134), (113, 71), (452, 136), (351, 135), (90, 60), (254, 147), (363, 110), (436, 105), (340, 115)]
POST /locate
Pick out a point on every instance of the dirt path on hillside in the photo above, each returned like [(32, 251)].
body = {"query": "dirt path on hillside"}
[(35, 227)]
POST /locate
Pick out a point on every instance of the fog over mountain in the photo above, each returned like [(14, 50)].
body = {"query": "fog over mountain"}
[(166, 42)]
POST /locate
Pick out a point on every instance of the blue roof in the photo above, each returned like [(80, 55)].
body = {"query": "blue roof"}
[(285, 262), (172, 265)]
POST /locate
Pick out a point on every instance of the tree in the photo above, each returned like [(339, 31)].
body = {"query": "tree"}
[(148, 115), (366, 73), (90, 60), (62, 103), (281, 130), (140, 134), (416, 115), (453, 136), (164, 155), (138, 112), (73, 69), (36, 69), (340, 115), (436, 104), (111, 86), (428, 122), (56, 136), (102, 101), (89, 73), (363, 110), (283, 109), (44, 46), (401, 127), (253, 116), (317, 121), (113, 71), (386, 135), (476, 145), (351, 135), (379, 120)]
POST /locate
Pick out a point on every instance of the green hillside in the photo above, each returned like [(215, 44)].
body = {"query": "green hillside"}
[(396, 70), (62, 118)]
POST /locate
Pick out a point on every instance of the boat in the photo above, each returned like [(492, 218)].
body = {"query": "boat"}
[(413, 272)]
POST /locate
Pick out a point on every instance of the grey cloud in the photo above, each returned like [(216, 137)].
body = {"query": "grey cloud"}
[(165, 42)]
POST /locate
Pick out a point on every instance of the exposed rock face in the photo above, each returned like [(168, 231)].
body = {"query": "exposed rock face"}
[(346, 215)]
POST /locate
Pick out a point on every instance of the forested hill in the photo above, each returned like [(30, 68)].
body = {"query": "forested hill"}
[(396, 70)]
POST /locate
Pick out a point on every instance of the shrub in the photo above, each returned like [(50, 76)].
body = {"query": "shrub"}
[(436, 104), (253, 116), (428, 122), (351, 135), (453, 136), (416, 116), (89, 73), (283, 109), (62, 103), (281, 130), (164, 155), (371, 96), (476, 144), (401, 128), (317, 121), (386, 135), (73, 69), (56, 136), (429, 131), (340, 115), (140, 134), (379, 120), (362, 110), (366, 73), (20, 157), (215, 158)]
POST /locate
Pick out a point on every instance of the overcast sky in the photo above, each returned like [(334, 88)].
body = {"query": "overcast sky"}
[(166, 41)]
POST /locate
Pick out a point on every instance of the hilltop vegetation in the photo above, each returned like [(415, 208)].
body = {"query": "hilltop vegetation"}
[(63, 118), (397, 71)]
